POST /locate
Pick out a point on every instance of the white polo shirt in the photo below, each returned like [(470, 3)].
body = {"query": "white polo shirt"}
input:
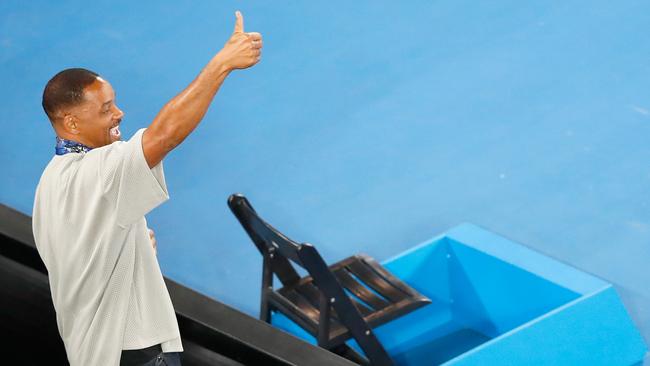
[(90, 231)]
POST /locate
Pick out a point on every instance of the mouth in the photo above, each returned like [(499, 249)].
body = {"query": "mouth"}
[(115, 130)]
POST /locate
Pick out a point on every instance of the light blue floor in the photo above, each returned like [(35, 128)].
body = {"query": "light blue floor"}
[(367, 126)]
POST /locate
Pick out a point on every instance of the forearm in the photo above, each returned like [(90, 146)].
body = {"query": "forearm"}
[(180, 116)]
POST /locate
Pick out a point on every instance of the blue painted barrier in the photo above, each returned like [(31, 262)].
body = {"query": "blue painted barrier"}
[(496, 302)]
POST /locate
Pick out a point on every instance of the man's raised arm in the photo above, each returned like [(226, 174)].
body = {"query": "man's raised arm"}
[(178, 118)]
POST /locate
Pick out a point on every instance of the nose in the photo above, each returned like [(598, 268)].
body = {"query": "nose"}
[(119, 113)]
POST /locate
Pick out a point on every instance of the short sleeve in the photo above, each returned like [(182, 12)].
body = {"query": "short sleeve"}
[(128, 182)]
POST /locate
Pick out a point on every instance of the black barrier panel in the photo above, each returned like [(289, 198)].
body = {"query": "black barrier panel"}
[(213, 333)]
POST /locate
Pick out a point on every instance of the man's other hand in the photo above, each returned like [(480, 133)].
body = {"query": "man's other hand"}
[(153, 240), (243, 49)]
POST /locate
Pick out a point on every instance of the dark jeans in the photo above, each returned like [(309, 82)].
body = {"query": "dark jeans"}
[(165, 359), (151, 356)]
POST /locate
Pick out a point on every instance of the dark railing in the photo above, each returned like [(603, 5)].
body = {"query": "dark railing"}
[(213, 333)]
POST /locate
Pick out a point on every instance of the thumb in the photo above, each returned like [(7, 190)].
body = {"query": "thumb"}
[(239, 24)]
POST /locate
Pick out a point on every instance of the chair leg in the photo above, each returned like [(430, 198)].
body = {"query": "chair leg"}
[(324, 321), (349, 353), (267, 285), (373, 349), (265, 310)]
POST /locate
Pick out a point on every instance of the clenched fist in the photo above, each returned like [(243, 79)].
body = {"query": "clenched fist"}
[(153, 240), (242, 50)]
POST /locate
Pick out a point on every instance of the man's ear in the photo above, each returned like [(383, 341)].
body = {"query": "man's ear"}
[(70, 124)]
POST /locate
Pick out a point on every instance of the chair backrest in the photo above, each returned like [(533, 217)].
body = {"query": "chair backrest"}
[(268, 240)]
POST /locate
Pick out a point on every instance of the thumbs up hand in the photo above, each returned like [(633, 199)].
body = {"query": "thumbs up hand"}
[(242, 50)]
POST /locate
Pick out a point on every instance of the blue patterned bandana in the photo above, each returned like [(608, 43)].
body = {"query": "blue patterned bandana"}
[(64, 146)]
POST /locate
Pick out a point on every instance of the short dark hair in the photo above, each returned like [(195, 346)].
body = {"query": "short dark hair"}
[(66, 89)]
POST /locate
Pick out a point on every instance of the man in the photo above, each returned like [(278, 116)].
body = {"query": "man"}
[(89, 207)]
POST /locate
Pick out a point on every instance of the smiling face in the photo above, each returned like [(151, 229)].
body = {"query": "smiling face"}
[(94, 121)]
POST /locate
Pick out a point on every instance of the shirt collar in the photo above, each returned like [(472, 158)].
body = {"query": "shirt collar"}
[(64, 146)]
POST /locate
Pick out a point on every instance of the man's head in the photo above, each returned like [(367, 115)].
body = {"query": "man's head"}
[(81, 107)]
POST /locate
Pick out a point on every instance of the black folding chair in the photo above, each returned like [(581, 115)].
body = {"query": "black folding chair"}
[(332, 303)]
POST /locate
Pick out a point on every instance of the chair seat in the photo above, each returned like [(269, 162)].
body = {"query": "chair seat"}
[(378, 295)]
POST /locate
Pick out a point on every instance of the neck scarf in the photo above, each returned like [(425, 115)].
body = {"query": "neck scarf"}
[(64, 146)]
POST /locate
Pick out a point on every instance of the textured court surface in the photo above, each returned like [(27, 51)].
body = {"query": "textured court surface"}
[(367, 127)]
